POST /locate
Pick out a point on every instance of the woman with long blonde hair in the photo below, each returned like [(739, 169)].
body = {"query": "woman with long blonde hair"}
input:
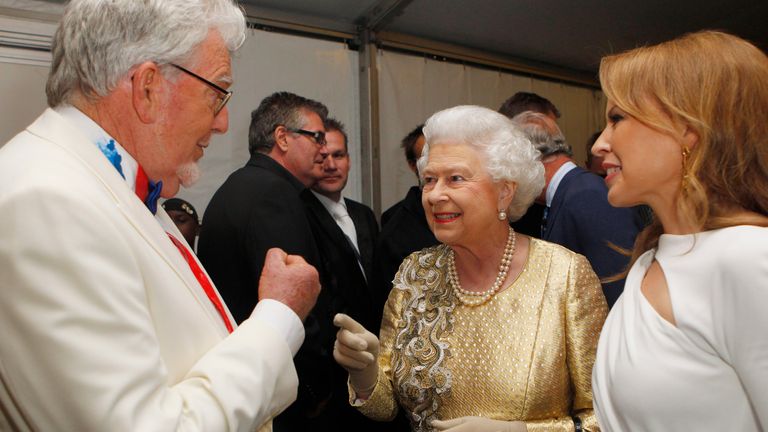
[(686, 346)]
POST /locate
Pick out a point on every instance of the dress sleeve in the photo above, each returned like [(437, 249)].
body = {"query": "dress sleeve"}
[(741, 321), (585, 312)]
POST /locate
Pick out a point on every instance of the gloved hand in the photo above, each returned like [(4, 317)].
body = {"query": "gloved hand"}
[(356, 350), (478, 424)]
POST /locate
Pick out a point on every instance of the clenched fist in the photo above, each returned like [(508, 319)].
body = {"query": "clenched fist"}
[(289, 280)]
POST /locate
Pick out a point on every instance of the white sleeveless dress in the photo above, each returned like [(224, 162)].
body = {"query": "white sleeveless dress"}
[(710, 371)]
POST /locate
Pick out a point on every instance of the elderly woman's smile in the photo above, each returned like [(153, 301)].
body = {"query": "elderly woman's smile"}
[(446, 217)]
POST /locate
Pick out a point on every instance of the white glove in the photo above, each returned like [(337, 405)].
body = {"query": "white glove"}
[(478, 424), (356, 350)]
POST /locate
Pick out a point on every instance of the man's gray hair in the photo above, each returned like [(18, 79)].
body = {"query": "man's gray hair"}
[(280, 109), (543, 132), (507, 154), (99, 41)]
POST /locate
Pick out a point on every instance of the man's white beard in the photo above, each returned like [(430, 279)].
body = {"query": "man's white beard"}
[(188, 174)]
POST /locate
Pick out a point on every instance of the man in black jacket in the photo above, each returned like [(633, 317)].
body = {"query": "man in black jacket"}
[(404, 227), (259, 207), (345, 232)]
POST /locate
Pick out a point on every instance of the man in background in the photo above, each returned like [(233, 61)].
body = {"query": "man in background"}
[(577, 213), (345, 232), (530, 223), (404, 228), (593, 163), (184, 216), (108, 320), (261, 206), (412, 145), (525, 101), (362, 233)]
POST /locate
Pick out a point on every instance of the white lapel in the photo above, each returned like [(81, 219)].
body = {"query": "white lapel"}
[(52, 127)]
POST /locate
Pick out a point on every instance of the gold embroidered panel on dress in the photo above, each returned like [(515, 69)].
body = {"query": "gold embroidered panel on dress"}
[(418, 354)]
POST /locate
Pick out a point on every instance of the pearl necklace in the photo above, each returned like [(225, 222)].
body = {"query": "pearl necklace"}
[(472, 298)]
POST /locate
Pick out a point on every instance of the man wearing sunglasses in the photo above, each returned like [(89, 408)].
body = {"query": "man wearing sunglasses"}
[(261, 206), (108, 320)]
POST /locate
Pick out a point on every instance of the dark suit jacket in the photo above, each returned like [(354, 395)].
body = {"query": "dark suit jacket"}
[(406, 231), (349, 293), (530, 223), (259, 207), (388, 213), (367, 232), (339, 268), (581, 219)]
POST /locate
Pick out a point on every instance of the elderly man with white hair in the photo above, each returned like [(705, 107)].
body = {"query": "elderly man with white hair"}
[(578, 215), (108, 321)]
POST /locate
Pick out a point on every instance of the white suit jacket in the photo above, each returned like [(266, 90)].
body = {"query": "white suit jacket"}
[(103, 327)]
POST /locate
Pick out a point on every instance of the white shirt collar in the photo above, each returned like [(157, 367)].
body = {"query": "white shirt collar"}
[(555, 182), (100, 137), (335, 208)]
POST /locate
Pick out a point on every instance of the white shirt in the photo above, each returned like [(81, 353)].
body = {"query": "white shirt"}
[(709, 372), (338, 210), (556, 179)]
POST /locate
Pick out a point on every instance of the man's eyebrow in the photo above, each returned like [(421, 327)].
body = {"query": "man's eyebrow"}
[(225, 79)]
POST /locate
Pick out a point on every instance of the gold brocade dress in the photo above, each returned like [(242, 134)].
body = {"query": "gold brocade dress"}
[(526, 354)]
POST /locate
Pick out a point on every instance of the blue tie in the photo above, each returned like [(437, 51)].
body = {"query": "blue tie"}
[(153, 193), (544, 221)]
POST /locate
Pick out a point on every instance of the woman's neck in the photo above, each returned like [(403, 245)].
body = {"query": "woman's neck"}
[(667, 212), (478, 266)]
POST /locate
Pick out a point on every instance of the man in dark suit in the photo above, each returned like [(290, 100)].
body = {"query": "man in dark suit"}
[(345, 232), (578, 215), (404, 227), (530, 223), (412, 145), (260, 207)]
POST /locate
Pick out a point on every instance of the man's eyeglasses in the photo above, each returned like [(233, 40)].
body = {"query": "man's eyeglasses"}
[(223, 95), (317, 136)]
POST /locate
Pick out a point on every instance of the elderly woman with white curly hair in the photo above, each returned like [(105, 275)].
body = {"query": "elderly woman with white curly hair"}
[(490, 330)]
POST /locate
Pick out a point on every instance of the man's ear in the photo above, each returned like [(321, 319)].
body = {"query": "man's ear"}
[(281, 138), (506, 194), (146, 91)]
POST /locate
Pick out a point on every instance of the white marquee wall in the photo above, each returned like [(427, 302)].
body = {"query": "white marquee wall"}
[(411, 88), (269, 62), (414, 87)]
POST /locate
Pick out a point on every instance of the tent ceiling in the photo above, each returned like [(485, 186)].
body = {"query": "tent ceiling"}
[(566, 34)]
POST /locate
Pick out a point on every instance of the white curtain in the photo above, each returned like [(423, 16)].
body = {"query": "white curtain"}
[(22, 92), (269, 62), (266, 63), (411, 89), (414, 87)]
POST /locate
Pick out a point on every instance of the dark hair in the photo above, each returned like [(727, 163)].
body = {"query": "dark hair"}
[(409, 142), (331, 124), (523, 101), (280, 108), (178, 204), (590, 143)]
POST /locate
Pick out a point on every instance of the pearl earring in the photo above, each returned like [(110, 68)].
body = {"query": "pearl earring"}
[(502, 215)]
